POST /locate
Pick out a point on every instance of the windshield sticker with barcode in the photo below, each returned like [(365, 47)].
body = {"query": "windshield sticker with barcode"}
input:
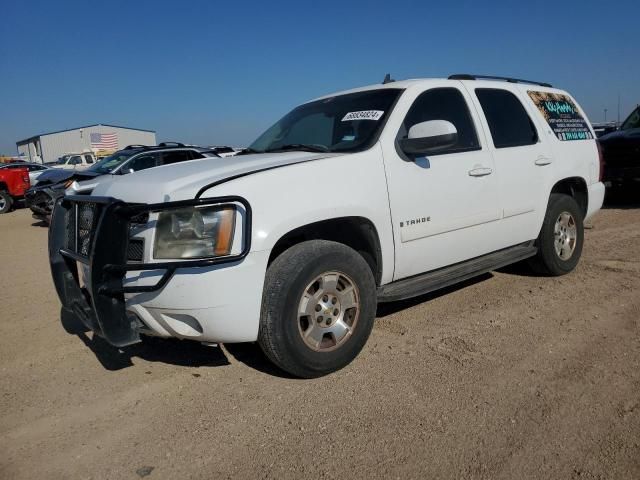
[(562, 115), (363, 115)]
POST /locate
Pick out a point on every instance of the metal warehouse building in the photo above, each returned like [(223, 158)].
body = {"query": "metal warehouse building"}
[(99, 138)]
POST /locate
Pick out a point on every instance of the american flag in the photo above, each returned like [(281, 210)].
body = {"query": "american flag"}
[(104, 141)]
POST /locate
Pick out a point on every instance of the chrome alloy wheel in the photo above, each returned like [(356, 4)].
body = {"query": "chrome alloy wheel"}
[(566, 235), (3, 203), (328, 311)]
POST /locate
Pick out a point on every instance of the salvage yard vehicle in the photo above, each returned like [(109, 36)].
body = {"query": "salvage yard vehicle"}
[(14, 182), (370, 195), (621, 153), (35, 169), (41, 198), (75, 161)]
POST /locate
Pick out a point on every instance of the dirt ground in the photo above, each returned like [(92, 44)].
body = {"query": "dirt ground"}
[(508, 376)]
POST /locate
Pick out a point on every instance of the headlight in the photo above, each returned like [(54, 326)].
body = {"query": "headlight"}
[(195, 232)]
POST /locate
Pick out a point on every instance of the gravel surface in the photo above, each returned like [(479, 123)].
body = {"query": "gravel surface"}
[(507, 376)]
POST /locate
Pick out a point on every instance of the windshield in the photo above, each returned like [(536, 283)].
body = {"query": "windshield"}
[(110, 163), (344, 123), (632, 121)]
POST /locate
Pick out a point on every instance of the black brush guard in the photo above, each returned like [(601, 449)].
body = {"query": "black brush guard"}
[(94, 231)]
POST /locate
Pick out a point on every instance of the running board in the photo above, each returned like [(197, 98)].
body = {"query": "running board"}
[(444, 277)]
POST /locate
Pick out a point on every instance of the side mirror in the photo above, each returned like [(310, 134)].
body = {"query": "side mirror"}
[(429, 137)]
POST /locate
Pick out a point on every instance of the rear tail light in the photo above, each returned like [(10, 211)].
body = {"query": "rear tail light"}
[(601, 161)]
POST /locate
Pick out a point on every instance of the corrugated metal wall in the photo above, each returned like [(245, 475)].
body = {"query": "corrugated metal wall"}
[(31, 150), (72, 141)]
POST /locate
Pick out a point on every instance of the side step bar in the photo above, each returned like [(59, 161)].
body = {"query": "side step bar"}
[(444, 277)]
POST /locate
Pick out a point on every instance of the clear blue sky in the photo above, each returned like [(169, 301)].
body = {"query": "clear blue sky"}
[(220, 72)]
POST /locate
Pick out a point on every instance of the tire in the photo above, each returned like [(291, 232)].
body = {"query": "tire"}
[(6, 202), (308, 327), (561, 237)]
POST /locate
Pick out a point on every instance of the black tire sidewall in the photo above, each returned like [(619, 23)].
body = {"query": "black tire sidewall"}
[(8, 200), (281, 308), (559, 203)]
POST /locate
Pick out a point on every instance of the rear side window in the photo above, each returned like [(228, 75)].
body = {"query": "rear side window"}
[(508, 121), (444, 104), (88, 158), (175, 156)]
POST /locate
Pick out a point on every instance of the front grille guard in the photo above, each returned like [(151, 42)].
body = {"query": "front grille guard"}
[(100, 240)]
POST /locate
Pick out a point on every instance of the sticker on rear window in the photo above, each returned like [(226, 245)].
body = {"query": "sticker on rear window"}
[(363, 115), (562, 115)]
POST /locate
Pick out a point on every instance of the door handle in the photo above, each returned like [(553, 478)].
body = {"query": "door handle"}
[(541, 161), (480, 171)]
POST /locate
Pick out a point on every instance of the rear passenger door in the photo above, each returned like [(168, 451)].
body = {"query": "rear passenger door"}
[(522, 160)]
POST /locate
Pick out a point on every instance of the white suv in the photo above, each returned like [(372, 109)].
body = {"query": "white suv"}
[(365, 196)]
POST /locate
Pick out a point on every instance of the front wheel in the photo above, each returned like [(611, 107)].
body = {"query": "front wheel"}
[(561, 237), (318, 308), (5, 201)]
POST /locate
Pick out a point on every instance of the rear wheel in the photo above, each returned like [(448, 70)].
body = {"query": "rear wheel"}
[(561, 237), (5, 202), (318, 308)]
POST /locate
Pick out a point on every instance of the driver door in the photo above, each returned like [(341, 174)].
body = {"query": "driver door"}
[(444, 206)]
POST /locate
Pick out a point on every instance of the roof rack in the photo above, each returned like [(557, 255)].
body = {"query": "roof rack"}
[(170, 144), (466, 76)]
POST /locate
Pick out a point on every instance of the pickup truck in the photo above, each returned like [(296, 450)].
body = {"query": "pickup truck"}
[(75, 161), (621, 153), (370, 195), (14, 182)]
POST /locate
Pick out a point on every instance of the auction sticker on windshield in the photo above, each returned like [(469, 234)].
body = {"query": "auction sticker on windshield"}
[(562, 115), (363, 115)]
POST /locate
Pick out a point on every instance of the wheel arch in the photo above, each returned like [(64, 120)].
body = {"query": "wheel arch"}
[(575, 187), (355, 232)]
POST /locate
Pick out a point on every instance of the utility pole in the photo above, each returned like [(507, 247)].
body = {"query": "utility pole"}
[(618, 108)]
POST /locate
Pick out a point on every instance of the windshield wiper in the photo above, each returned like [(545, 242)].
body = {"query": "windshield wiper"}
[(305, 147)]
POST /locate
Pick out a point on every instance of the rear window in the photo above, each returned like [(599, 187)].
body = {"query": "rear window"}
[(562, 115), (508, 121)]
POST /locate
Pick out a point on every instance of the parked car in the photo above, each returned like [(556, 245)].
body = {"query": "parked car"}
[(35, 169), (75, 161), (370, 195), (14, 182), (621, 152), (41, 198)]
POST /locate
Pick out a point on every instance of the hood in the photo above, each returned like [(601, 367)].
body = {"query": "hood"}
[(621, 136), (57, 175), (182, 181)]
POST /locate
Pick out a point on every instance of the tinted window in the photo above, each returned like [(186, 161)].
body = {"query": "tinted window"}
[(88, 158), (195, 154), (508, 120), (633, 121), (76, 160), (142, 162), (175, 156), (444, 104)]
